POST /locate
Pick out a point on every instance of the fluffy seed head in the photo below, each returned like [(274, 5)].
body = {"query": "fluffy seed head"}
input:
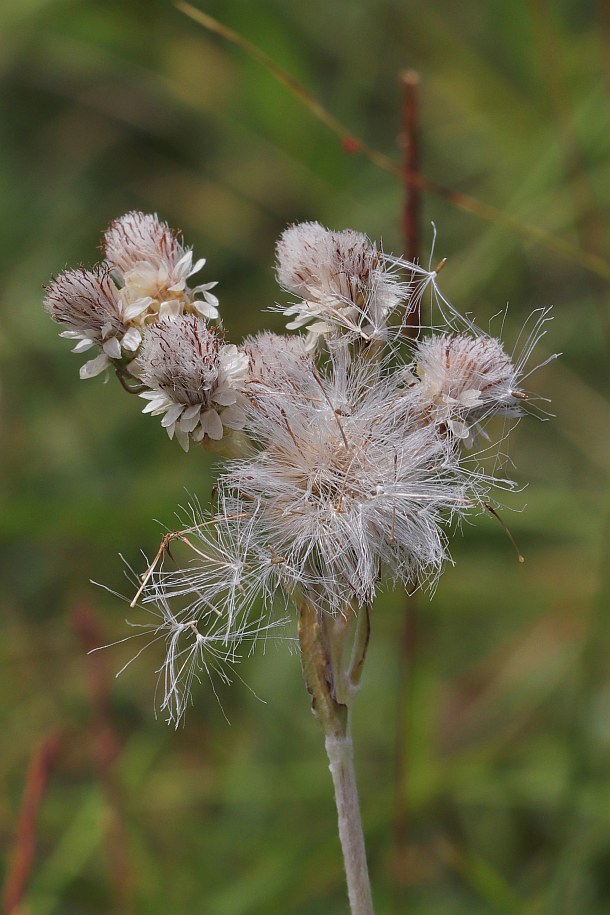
[(347, 482), (271, 357)]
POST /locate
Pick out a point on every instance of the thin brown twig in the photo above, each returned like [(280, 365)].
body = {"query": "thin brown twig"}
[(485, 211), (409, 81), (588, 218), (20, 866), (164, 547)]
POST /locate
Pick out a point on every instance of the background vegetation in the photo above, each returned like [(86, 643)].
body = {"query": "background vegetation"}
[(483, 728)]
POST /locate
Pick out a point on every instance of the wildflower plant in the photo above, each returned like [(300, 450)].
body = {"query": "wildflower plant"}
[(352, 443)]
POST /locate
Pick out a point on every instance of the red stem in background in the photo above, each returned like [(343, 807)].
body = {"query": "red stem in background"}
[(407, 648), (409, 81), (20, 866), (106, 747)]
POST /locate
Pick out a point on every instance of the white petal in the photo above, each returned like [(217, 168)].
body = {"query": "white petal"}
[(197, 266), (172, 415), (459, 429), (191, 411), (83, 346), (94, 366), (172, 308), (156, 406), (209, 297), (205, 310), (234, 363), (299, 322), (183, 438), (319, 327), (112, 348), (233, 418), (311, 342), (212, 425), (132, 339), (225, 397), (189, 423), (135, 309), (470, 398), (185, 261)]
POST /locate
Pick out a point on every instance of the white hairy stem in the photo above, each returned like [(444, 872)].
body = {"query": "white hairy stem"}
[(341, 764)]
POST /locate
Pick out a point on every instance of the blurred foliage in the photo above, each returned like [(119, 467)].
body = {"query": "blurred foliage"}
[(498, 701)]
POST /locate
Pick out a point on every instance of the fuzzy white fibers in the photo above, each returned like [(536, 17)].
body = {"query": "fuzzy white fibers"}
[(206, 610), (347, 481)]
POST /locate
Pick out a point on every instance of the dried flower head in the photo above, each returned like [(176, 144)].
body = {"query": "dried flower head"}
[(152, 267), (87, 303), (272, 357), (463, 379), (343, 281), (143, 280), (194, 379)]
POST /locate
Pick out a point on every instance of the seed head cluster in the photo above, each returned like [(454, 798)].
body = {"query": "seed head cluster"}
[(352, 445)]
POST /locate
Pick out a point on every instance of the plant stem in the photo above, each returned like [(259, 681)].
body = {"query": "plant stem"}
[(341, 764), (322, 641)]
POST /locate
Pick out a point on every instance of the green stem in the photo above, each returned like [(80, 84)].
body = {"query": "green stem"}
[(359, 648), (129, 383), (322, 642)]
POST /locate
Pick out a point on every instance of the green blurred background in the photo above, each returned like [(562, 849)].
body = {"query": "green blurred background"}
[(483, 727)]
